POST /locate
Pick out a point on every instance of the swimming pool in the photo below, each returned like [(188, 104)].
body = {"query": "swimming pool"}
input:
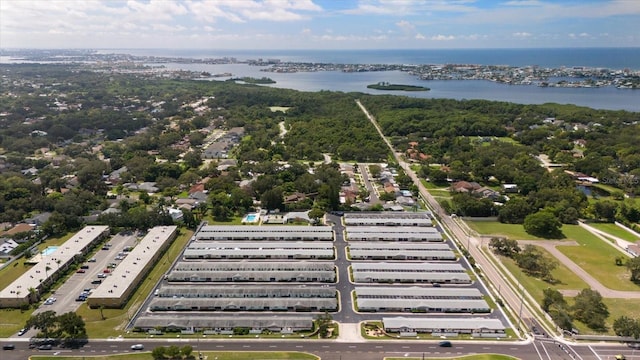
[(49, 250), (250, 218)]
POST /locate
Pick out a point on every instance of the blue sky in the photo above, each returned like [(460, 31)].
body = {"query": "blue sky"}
[(318, 24)]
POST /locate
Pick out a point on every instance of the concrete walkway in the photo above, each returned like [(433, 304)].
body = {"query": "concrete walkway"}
[(621, 244), (550, 246), (350, 332)]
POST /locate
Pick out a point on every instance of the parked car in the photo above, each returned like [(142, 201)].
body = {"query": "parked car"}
[(101, 276), (137, 347), (22, 332), (92, 260), (81, 271), (97, 281)]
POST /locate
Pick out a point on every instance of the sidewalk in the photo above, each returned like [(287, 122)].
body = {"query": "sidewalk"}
[(350, 332)]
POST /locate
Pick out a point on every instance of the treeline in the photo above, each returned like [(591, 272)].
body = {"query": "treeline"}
[(607, 140)]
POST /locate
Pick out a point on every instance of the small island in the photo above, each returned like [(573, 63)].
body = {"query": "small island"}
[(252, 80), (386, 86)]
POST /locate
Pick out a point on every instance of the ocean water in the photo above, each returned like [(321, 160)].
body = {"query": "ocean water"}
[(609, 98), (612, 58)]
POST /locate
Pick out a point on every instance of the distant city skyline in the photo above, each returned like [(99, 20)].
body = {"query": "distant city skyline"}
[(318, 24)]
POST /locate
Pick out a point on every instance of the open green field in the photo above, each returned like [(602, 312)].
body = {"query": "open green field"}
[(566, 279), (617, 308), (597, 257), (12, 320), (239, 355), (431, 186), (511, 231), (468, 357), (116, 319), (615, 230), (236, 220), (569, 281)]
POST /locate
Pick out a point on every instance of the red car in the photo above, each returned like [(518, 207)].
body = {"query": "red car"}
[(106, 271), (80, 271)]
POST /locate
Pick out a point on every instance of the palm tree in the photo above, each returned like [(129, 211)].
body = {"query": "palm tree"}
[(33, 295)]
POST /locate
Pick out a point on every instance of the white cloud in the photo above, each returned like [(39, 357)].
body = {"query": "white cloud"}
[(420, 36), (443, 37), (405, 25), (523, 3), (522, 34), (407, 7)]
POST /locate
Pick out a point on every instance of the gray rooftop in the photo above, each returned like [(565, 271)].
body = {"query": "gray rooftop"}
[(391, 229), (414, 267), (416, 292), (275, 322), (246, 291), (252, 275), (402, 246), (242, 304), (369, 254), (267, 232), (121, 278), (416, 237), (260, 245), (254, 266), (388, 215), (435, 305), (427, 277), (50, 263), (442, 323), (239, 250)]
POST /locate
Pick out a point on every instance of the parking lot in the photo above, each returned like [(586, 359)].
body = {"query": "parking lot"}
[(85, 278)]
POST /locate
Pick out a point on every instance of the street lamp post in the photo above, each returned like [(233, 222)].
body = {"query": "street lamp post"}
[(521, 306)]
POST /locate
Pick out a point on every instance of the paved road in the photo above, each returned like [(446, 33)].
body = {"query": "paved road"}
[(331, 350), (373, 192), (513, 297), (620, 244), (327, 350)]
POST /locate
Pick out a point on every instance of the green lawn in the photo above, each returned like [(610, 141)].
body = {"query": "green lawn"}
[(511, 231), (566, 279), (12, 320), (431, 186), (615, 230), (238, 355), (236, 220), (597, 257), (116, 319), (467, 357)]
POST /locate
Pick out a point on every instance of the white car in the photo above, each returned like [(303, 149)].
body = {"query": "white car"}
[(137, 347)]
